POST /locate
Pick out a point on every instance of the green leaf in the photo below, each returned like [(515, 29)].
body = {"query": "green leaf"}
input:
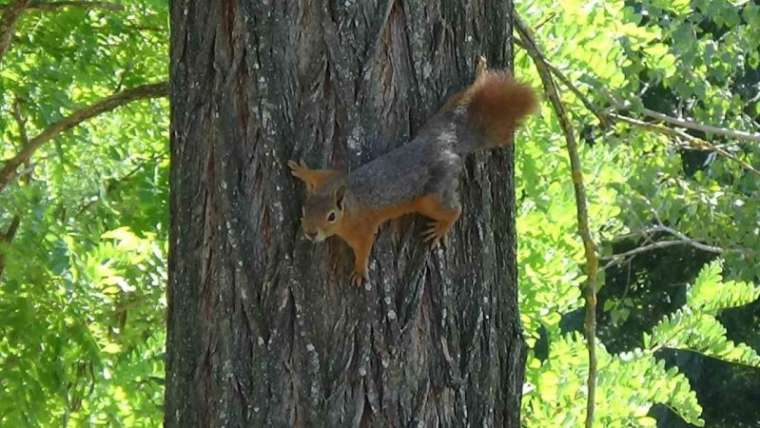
[(702, 333), (710, 293)]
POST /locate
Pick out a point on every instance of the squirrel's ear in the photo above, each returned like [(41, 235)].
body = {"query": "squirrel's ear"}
[(340, 193), (301, 171)]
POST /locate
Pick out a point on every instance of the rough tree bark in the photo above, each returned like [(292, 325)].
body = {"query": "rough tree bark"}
[(263, 326)]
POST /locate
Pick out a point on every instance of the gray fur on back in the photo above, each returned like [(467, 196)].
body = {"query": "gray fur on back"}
[(430, 163)]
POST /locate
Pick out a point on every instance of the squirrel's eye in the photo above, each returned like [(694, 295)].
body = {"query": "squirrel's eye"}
[(331, 216)]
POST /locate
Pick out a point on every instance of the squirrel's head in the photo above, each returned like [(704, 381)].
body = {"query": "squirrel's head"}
[(323, 207), (323, 212)]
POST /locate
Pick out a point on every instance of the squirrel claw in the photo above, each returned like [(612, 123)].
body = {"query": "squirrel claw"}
[(357, 279), (296, 167), (434, 234)]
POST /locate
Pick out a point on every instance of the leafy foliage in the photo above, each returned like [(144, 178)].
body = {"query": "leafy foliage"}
[(695, 328), (628, 383), (710, 293), (637, 379), (82, 277), (694, 60)]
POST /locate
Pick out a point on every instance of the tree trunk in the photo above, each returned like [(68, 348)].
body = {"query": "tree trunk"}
[(263, 326)]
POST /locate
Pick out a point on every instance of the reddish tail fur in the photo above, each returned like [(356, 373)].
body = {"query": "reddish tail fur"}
[(496, 103)]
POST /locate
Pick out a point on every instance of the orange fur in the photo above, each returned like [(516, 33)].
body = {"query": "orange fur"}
[(313, 178), (495, 105), (359, 228)]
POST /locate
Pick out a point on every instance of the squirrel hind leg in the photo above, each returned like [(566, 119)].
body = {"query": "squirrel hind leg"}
[(443, 214)]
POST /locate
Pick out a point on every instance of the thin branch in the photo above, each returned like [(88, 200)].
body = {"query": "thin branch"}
[(10, 233), (683, 239), (683, 123), (52, 6), (26, 176), (8, 20), (690, 241), (544, 21), (6, 238), (620, 257), (156, 90), (694, 142), (664, 130), (592, 262)]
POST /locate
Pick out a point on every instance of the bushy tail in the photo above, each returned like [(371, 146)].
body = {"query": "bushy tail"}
[(495, 104)]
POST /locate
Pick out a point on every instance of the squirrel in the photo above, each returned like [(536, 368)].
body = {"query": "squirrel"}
[(421, 176)]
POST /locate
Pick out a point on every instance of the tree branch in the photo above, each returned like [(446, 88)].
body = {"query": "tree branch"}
[(682, 240), (693, 142), (739, 135), (10, 233), (8, 20), (605, 117), (6, 238), (156, 90), (592, 261), (620, 257), (686, 239), (683, 123)]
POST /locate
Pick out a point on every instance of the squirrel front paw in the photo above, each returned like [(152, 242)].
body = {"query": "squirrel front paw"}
[(358, 278), (436, 232)]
